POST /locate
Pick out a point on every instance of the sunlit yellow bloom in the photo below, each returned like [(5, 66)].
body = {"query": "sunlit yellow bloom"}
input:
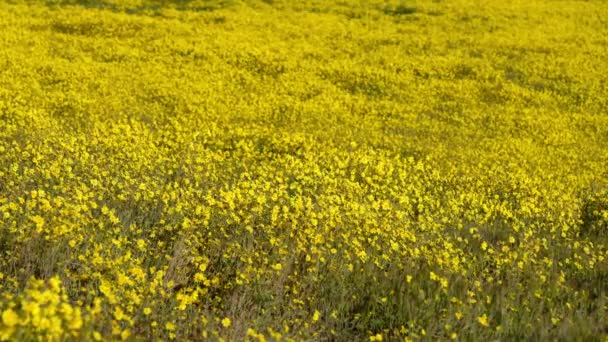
[(377, 337), (483, 320), (10, 318)]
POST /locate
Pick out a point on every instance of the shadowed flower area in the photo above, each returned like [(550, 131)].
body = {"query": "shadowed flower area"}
[(146, 6), (303, 170)]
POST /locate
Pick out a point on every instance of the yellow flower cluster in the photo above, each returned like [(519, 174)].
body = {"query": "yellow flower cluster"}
[(42, 310), (303, 170)]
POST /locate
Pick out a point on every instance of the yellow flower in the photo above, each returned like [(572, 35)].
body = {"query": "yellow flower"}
[(377, 337), (125, 334), (38, 220), (316, 316), (226, 322), (10, 318), (484, 245), (76, 322), (483, 320), (55, 283), (119, 314), (147, 311)]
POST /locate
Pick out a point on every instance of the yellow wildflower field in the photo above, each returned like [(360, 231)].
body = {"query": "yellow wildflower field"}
[(303, 170)]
